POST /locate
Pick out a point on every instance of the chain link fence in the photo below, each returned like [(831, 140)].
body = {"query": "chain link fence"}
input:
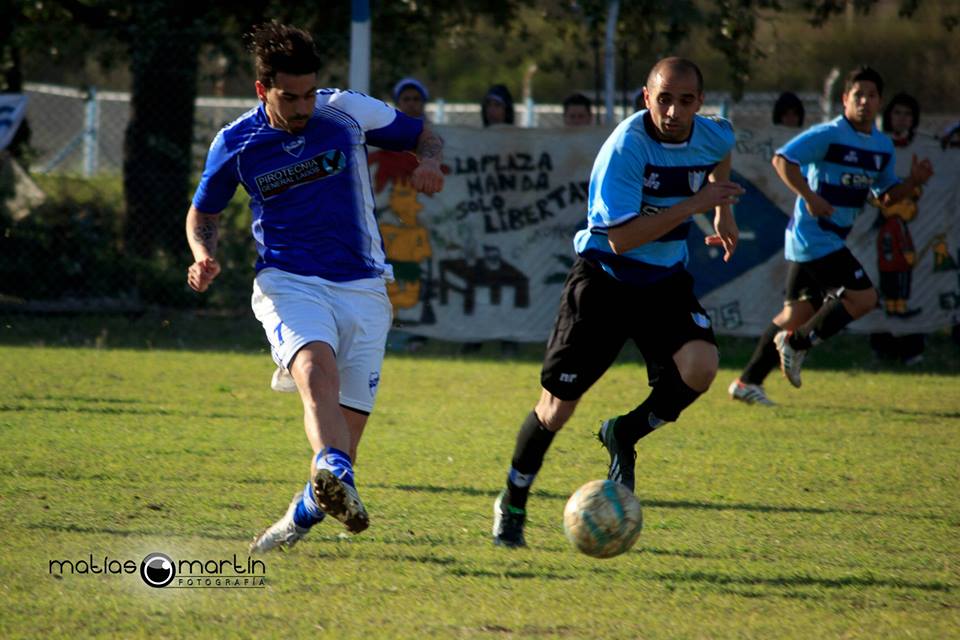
[(70, 247)]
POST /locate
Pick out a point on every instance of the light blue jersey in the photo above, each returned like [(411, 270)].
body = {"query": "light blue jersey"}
[(843, 166), (637, 175), (310, 192)]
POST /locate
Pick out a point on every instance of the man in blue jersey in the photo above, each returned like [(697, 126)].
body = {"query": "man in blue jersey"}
[(658, 168), (319, 290), (832, 167)]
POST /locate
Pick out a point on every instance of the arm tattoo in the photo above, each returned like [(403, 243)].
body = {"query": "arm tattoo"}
[(431, 146), (205, 233)]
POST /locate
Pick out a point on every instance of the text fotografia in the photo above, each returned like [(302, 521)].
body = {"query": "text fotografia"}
[(159, 570)]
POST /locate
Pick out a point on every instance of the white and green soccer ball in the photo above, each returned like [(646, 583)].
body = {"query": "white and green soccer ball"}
[(602, 519)]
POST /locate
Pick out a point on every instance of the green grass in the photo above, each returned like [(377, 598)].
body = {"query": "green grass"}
[(836, 514)]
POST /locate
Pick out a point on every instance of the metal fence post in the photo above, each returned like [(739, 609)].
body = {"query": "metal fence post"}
[(91, 130)]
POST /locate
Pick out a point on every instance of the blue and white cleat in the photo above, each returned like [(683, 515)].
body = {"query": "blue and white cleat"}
[(622, 459), (282, 534)]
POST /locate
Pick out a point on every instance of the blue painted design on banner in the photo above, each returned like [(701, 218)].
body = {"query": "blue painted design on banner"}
[(755, 213)]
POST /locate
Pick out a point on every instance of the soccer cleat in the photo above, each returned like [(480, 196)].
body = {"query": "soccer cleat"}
[(790, 359), (339, 499), (749, 393), (622, 460), (508, 524), (282, 534), (282, 381)]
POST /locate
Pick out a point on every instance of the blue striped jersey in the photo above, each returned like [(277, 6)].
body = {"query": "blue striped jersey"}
[(635, 174), (843, 166), (310, 191)]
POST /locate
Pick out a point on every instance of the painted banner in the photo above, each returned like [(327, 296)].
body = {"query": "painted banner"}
[(486, 257)]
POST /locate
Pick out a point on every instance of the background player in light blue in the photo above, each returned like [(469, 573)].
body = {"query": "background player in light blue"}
[(657, 169), (832, 167), (320, 286)]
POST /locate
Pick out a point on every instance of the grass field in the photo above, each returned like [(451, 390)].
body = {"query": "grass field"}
[(834, 515)]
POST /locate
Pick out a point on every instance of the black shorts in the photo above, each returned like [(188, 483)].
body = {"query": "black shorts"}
[(598, 314), (812, 281)]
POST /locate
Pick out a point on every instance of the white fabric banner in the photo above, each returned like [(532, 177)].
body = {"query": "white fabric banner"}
[(486, 258)]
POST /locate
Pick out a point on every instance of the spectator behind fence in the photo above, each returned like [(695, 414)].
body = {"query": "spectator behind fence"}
[(411, 97), (896, 255), (788, 110), (406, 241), (577, 111), (497, 106)]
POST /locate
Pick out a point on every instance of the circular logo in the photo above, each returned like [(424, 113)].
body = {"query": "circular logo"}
[(157, 570)]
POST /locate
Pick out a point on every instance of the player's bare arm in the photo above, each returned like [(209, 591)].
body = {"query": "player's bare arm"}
[(791, 176), (724, 222), (644, 229), (428, 176), (920, 172), (203, 230)]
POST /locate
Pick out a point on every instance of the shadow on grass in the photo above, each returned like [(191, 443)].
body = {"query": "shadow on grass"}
[(180, 330), (786, 582), (913, 413), (192, 415), (666, 504)]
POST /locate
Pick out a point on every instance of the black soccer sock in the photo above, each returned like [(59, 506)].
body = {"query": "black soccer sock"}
[(533, 440), (764, 359), (827, 322), (670, 396)]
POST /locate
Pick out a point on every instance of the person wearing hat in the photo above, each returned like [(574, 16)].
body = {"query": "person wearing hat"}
[(411, 97), (497, 106)]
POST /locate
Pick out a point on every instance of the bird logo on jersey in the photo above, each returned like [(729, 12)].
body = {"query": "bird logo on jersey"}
[(695, 180), (296, 146)]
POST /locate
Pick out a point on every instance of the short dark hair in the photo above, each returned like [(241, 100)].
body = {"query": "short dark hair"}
[(788, 101), (906, 100), (863, 73), (280, 48), (577, 99), (676, 64)]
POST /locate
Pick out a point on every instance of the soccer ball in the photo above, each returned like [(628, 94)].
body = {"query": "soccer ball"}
[(602, 519)]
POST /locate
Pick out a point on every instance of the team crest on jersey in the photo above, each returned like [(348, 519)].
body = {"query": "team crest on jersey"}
[(878, 159), (701, 320), (296, 146), (695, 180), (328, 163)]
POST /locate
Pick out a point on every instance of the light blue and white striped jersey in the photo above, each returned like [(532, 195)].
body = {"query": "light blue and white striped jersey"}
[(843, 166), (637, 175), (310, 192)]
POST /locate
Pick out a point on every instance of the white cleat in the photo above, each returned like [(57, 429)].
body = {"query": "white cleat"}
[(790, 359), (282, 381), (749, 393), (282, 534)]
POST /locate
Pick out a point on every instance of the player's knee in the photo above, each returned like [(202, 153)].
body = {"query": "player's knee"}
[(553, 413), (862, 303), (697, 365), (322, 382)]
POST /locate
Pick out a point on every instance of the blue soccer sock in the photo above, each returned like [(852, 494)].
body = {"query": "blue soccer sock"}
[(308, 512), (337, 462)]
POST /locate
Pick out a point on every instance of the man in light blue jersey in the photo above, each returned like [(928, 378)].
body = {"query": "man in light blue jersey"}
[(320, 279), (658, 168), (832, 167)]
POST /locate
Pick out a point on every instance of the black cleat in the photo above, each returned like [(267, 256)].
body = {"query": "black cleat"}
[(622, 459), (508, 524)]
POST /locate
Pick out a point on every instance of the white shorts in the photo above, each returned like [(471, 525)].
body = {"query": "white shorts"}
[(352, 317)]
